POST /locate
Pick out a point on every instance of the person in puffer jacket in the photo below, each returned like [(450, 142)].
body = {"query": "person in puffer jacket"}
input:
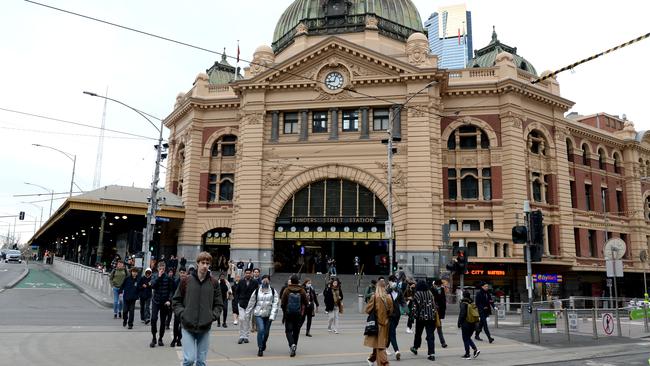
[(263, 304)]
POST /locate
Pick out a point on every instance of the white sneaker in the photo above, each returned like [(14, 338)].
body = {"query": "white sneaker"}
[(235, 322), (388, 353), (336, 332), (329, 330), (409, 331), (398, 355)]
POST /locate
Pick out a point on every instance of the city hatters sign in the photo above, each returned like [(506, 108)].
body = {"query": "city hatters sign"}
[(333, 220)]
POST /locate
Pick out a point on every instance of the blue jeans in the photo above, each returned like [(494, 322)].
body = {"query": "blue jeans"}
[(195, 347), (117, 304), (263, 330)]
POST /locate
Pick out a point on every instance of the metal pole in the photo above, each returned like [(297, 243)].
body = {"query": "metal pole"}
[(645, 317), (529, 272), (74, 165), (595, 317), (153, 202), (565, 313), (51, 201), (390, 187)]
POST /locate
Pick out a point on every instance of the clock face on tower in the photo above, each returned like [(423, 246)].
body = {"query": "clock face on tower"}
[(334, 80)]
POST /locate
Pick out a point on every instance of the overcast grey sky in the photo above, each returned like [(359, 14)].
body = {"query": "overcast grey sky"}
[(49, 58)]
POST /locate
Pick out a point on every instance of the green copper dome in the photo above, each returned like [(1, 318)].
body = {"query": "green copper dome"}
[(485, 57), (395, 18)]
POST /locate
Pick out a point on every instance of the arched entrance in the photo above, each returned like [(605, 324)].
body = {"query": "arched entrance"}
[(331, 219), (217, 243)]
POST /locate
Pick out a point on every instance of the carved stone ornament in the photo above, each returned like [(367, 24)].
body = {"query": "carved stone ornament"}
[(419, 110), (371, 22), (399, 178), (301, 29), (252, 119), (275, 175), (328, 96), (417, 51), (261, 62), (358, 70)]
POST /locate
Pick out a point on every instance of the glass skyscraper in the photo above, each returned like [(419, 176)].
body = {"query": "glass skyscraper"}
[(450, 36)]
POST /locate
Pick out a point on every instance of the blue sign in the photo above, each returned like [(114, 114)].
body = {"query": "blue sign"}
[(162, 219), (547, 278)]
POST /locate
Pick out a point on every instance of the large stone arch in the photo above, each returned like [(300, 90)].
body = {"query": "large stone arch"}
[(328, 171), (494, 142), (545, 131), (207, 147), (214, 222)]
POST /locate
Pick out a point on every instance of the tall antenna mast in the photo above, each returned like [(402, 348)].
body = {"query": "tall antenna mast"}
[(100, 148)]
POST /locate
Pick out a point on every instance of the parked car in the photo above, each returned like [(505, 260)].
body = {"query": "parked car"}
[(13, 256)]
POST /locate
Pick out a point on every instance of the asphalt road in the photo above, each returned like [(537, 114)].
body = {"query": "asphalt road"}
[(45, 322), (9, 272)]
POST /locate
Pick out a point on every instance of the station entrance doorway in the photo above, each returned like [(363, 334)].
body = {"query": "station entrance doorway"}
[(333, 219)]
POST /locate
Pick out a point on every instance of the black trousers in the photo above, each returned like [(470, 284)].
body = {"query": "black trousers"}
[(177, 328), (225, 311), (292, 325), (483, 325), (430, 326), (164, 313), (467, 329), (145, 309), (128, 312), (308, 318), (392, 333)]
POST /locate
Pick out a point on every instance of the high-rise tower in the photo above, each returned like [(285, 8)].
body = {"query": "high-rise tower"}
[(450, 36)]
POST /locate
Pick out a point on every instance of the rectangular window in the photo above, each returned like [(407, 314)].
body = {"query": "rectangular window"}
[(488, 225), (212, 188), (451, 182), (471, 225), (472, 249), (627, 252), (453, 225), (487, 189), (591, 237), (549, 236), (226, 187), (228, 149), (319, 121), (316, 201), (619, 203), (603, 199), (576, 238), (380, 119), (291, 123), (588, 205), (506, 250), (350, 120), (573, 194)]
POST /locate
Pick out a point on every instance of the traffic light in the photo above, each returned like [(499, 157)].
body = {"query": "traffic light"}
[(537, 227), (461, 261), (21, 215), (151, 246), (536, 253), (394, 267), (519, 234)]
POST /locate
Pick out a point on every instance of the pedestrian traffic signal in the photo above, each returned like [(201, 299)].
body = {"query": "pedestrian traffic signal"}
[(21, 215), (151, 246), (536, 253), (519, 234), (461, 261), (394, 267)]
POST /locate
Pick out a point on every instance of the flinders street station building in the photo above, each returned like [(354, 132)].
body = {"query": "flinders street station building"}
[(284, 164)]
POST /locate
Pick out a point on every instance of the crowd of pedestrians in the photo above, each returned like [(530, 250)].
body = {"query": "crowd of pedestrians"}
[(195, 298)]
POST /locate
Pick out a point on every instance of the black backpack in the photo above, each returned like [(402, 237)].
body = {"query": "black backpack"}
[(293, 303)]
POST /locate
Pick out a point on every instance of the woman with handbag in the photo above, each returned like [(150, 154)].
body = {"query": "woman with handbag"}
[(379, 307), (312, 306)]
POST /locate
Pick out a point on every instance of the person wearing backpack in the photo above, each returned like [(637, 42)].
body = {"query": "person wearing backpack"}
[(263, 304), (467, 320), (424, 310), (197, 303), (117, 277), (294, 301)]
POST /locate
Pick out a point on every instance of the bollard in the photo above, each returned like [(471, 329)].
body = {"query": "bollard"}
[(360, 304), (522, 315), (645, 317), (565, 313), (537, 325), (496, 318), (618, 321), (507, 303), (595, 318)]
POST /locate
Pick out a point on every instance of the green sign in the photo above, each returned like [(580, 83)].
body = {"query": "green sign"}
[(637, 314), (547, 318)]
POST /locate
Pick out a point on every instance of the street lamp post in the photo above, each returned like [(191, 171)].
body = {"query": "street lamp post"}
[(41, 219), (72, 157), (51, 194), (389, 144), (153, 199)]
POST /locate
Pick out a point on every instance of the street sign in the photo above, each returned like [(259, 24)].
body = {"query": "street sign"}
[(501, 313), (608, 323), (162, 219), (388, 229), (637, 314), (573, 321), (609, 282), (548, 321), (614, 248), (614, 268)]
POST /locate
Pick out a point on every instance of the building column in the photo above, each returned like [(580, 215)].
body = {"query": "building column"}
[(275, 126), (334, 132), (365, 130), (304, 125)]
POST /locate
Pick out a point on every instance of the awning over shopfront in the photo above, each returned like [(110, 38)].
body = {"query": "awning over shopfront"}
[(75, 230)]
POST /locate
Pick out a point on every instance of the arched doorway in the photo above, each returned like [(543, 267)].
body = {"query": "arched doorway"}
[(331, 219), (217, 243)]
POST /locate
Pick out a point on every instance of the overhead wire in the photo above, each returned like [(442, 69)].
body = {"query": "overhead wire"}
[(67, 133)]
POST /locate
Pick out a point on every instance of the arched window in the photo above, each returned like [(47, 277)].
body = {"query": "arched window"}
[(468, 138), (602, 158), (226, 145), (647, 208), (617, 163), (469, 184), (569, 150), (536, 143), (585, 154), (221, 186)]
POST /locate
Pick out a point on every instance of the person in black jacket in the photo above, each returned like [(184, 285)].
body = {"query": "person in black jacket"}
[(224, 287), (484, 304), (144, 292), (312, 304), (424, 309), (441, 303), (245, 290), (162, 286), (129, 289), (394, 291), (178, 335), (333, 299), (466, 327)]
